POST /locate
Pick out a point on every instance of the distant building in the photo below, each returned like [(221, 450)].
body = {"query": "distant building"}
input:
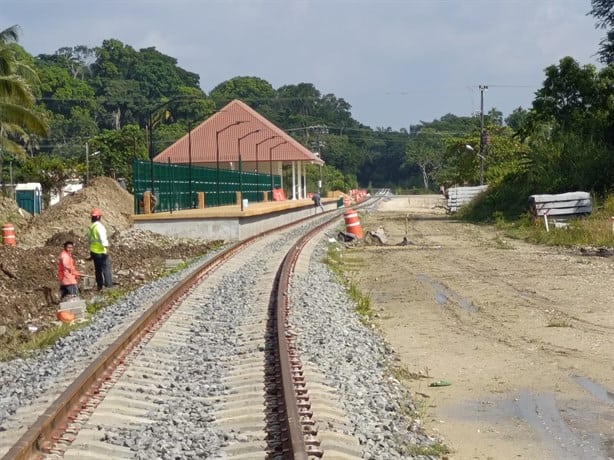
[(70, 188)]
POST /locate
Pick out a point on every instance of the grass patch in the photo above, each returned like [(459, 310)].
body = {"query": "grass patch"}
[(342, 268), (15, 343), (437, 449), (559, 322), (333, 259), (594, 230), (363, 302), (104, 299), (177, 268)]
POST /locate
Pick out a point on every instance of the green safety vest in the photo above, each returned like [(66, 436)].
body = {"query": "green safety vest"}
[(95, 244)]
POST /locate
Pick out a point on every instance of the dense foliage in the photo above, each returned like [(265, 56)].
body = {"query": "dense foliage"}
[(20, 122), (110, 98)]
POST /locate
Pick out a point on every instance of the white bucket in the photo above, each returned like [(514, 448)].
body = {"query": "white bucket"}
[(244, 203)]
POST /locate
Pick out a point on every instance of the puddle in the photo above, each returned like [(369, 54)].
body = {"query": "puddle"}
[(443, 295), (598, 391), (568, 430), (544, 416)]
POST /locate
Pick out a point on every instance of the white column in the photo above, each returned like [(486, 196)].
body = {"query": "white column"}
[(294, 180)]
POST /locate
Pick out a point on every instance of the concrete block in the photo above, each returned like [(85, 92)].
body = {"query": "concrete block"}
[(75, 305), (88, 282), (172, 263)]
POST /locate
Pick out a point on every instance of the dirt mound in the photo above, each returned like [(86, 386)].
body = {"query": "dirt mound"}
[(29, 290), (72, 213), (11, 213)]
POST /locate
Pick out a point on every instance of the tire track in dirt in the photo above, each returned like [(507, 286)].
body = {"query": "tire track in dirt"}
[(542, 324)]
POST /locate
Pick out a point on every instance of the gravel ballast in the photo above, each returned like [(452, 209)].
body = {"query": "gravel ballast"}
[(354, 359)]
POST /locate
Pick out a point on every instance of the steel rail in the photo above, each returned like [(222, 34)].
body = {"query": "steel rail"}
[(297, 446), (47, 429)]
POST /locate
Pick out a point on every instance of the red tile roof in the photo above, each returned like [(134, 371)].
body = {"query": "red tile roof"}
[(234, 123)]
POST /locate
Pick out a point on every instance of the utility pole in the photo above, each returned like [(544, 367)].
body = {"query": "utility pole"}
[(320, 130), (87, 163), (481, 154)]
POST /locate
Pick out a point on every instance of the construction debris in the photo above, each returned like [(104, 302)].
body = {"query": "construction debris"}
[(346, 237), (377, 237)]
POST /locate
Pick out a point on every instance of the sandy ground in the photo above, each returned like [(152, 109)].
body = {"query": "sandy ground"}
[(524, 334)]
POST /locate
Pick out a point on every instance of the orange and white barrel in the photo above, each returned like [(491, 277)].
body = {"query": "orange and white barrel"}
[(352, 224), (8, 235)]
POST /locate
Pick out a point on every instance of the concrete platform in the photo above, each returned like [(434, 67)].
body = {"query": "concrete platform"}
[(229, 223)]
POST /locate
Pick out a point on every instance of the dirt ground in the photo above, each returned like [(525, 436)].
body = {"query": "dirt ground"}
[(523, 334), (29, 289)]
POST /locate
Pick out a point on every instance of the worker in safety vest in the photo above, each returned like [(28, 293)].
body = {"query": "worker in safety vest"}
[(67, 273), (99, 250)]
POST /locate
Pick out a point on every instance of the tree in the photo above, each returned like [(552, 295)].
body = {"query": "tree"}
[(384, 162), (296, 106), (159, 75), (70, 133), (50, 171), (516, 119), (426, 150), (603, 11), (494, 117), (18, 115), (191, 106), (254, 91), (341, 154), (118, 148), (449, 125), (128, 82), (572, 99), (76, 60), (61, 92)]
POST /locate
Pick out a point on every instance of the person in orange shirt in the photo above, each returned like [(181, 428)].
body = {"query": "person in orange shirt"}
[(67, 273)]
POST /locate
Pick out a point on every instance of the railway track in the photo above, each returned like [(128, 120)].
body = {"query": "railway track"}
[(189, 379)]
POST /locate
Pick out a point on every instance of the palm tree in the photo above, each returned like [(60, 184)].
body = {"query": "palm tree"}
[(18, 117)]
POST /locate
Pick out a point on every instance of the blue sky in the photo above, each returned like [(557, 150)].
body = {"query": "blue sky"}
[(396, 62)]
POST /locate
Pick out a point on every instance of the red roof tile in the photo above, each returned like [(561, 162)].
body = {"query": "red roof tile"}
[(234, 123)]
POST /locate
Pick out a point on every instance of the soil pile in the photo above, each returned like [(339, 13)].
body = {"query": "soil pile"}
[(29, 289), (72, 213), (10, 212)]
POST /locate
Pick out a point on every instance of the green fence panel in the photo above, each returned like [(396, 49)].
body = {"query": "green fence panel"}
[(176, 186)]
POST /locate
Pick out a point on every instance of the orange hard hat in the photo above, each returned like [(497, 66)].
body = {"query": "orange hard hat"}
[(96, 212)]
